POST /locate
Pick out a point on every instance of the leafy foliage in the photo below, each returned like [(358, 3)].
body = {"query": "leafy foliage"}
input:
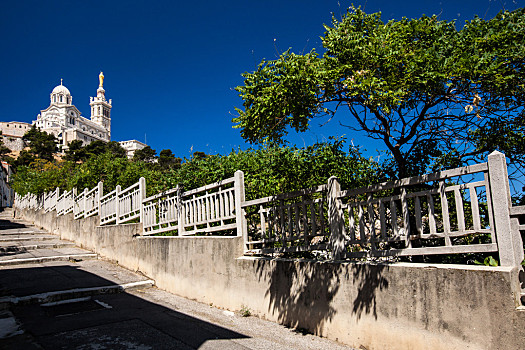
[(41, 144), (147, 154), (167, 159), (268, 171), (434, 95), (77, 152)]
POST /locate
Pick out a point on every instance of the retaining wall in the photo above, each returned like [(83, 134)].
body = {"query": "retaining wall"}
[(368, 306)]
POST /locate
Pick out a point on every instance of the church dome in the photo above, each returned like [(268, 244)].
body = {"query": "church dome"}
[(61, 89), (61, 95)]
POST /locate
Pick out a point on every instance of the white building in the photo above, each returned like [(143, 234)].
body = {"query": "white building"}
[(65, 121), (131, 147)]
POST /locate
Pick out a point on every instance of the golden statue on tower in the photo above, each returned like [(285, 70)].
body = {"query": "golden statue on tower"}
[(101, 79)]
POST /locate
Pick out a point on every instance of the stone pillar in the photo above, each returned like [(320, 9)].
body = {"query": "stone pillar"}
[(242, 229), (508, 237), (335, 218), (142, 196), (117, 211)]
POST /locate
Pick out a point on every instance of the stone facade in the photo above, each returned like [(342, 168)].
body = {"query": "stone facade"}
[(12, 133), (14, 129), (132, 146), (65, 121)]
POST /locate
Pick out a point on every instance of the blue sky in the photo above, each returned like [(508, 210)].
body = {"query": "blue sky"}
[(170, 66)]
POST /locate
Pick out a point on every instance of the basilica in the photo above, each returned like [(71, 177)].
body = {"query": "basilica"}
[(65, 121)]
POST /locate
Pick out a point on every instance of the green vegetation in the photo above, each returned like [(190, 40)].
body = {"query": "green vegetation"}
[(436, 96), (269, 170), (42, 146), (245, 311)]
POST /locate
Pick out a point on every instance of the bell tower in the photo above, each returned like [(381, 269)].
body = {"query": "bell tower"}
[(100, 108)]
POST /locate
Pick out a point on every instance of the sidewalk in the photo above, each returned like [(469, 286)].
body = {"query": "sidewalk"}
[(69, 299)]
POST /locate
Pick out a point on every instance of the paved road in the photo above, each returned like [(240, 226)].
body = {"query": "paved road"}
[(54, 295)]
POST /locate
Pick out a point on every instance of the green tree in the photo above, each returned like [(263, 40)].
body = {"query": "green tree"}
[(116, 149), (96, 147), (146, 154), (436, 96), (41, 144), (76, 151), (167, 160)]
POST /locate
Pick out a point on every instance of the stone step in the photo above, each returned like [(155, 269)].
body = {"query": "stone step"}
[(47, 258), (24, 246), (22, 231), (48, 297), (16, 238)]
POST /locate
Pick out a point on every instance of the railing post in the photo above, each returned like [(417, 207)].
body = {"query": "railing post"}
[(57, 194), (242, 229), (180, 212), (142, 196), (74, 198), (508, 237), (335, 218), (84, 201), (100, 191), (117, 211)]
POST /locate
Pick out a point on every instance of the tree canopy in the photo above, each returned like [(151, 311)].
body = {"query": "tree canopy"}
[(41, 144), (435, 95), (146, 154), (78, 152), (167, 159)]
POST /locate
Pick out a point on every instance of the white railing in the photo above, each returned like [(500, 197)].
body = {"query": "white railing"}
[(204, 210), (162, 212), (108, 207), (50, 200), (422, 215), (464, 210), (91, 200), (60, 207), (120, 206), (87, 203), (79, 207), (130, 201), (66, 202), (292, 221)]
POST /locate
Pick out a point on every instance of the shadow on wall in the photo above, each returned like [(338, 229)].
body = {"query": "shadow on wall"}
[(369, 279), (301, 292)]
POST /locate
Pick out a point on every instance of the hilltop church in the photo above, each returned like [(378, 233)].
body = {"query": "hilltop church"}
[(65, 121)]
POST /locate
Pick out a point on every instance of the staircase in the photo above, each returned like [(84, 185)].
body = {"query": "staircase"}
[(38, 268)]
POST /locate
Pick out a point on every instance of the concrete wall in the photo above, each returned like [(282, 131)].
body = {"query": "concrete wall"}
[(375, 306)]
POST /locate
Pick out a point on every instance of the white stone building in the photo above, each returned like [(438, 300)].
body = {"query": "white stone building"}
[(131, 147), (65, 121)]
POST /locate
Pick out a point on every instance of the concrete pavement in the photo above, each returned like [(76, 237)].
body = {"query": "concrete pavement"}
[(57, 296)]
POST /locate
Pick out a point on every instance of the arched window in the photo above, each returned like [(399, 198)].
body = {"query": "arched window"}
[(60, 98)]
